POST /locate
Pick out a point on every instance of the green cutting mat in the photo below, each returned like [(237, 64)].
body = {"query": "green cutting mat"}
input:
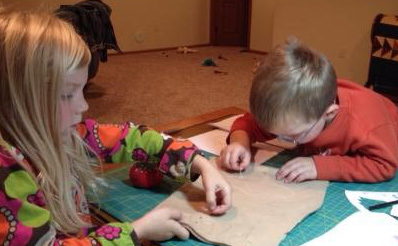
[(127, 203), (335, 207)]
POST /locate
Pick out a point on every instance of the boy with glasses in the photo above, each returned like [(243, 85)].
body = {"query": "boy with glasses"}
[(344, 131)]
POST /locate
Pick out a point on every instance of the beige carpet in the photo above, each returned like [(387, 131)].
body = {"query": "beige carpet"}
[(165, 86)]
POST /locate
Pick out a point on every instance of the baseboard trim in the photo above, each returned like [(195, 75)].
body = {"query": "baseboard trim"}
[(156, 50), (260, 52)]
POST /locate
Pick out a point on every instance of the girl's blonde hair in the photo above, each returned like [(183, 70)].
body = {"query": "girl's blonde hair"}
[(36, 52), (293, 81)]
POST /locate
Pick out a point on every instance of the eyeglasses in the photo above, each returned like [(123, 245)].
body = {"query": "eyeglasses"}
[(298, 139)]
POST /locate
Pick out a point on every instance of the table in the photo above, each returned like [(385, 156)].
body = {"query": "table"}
[(113, 208), (129, 203)]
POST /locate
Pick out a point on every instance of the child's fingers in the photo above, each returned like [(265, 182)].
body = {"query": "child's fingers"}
[(307, 172), (286, 169), (293, 175), (245, 160), (301, 177), (178, 230), (236, 160), (219, 199), (211, 199), (224, 156), (220, 209), (240, 160), (223, 201), (227, 159), (235, 157), (174, 214), (296, 170)]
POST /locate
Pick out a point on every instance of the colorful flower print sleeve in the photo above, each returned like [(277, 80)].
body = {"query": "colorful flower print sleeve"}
[(128, 143), (25, 220)]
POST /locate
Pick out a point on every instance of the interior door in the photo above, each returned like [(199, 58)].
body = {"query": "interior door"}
[(229, 22)]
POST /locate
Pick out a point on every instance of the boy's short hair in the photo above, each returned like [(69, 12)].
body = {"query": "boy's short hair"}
[(293, 81)]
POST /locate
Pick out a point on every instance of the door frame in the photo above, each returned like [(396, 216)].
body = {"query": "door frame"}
[(213, 14)]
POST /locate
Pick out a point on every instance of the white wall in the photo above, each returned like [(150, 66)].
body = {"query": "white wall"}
[(148, 24), (152, 24), (262, 24), (338, 28)]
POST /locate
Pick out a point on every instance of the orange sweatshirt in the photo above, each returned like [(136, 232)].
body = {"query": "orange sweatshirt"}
[(361, 143)]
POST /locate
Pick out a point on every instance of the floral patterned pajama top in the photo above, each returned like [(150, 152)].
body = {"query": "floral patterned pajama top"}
[(24, 218)]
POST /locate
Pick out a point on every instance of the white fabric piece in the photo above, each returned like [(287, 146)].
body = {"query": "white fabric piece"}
[(361, 228), (355, 196)]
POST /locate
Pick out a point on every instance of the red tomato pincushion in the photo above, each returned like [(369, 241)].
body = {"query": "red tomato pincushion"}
[(146, 177)]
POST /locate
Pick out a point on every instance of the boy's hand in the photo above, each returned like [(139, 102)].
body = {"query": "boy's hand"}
[(235, 157), (218, 191), (297, 170), (160, 224)]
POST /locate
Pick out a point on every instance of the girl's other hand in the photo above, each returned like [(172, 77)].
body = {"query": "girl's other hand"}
[(160, 224)]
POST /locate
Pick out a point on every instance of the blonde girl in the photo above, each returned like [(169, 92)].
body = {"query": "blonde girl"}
[(44, 167)]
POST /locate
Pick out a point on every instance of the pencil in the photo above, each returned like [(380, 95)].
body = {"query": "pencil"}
[(382, 205)]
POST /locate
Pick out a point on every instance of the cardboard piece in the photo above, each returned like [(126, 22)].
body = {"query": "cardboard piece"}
[(264, 209)]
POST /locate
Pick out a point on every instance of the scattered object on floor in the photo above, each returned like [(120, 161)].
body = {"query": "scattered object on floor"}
[(256, 65), (185, 50), (220, 72), (209, 62), (222, 58), (165, 54)]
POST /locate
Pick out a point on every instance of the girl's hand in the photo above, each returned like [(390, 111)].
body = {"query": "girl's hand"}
[(218, 191), (159, 225), (297, 170)]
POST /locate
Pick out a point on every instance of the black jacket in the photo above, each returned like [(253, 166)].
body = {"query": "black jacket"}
[(91, 19)]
